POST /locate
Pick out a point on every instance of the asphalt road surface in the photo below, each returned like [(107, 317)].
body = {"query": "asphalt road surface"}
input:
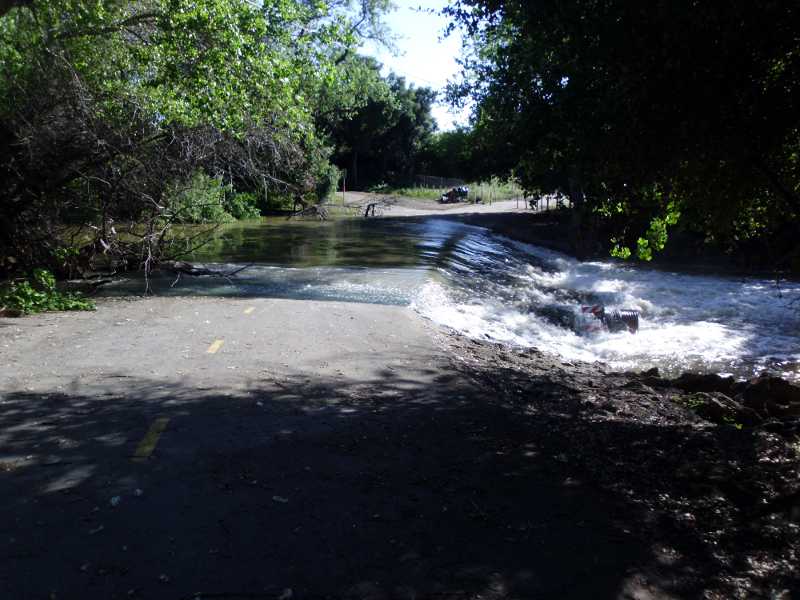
[(259, 448)]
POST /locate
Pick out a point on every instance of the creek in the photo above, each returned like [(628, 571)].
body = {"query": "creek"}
[(489, 287)]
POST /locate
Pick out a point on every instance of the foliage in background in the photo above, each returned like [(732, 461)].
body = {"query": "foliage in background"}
[(203, 199), (479, 191), (610, 102), (104, 105), (242, 206), (450, 154), (327, 180), (200, 199), (383, 140), (38, 293)]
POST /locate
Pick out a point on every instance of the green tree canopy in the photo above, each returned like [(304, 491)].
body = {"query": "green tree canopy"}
[(383, 141), (644, 111), (104, 104)]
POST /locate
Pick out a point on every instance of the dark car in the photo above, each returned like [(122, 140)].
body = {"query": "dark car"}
[(456, 194)]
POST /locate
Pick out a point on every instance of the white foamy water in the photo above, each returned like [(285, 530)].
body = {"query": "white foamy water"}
[(739, 326)]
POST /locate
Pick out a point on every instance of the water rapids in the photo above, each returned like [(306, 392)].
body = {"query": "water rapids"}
[(489, 287)]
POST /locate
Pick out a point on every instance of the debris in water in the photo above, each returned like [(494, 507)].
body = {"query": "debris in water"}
[(597, 319)]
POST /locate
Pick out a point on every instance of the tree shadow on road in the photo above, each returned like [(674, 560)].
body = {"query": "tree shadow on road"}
[(330, 488)]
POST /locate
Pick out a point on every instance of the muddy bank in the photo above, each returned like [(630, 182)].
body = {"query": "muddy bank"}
[(718, 477)]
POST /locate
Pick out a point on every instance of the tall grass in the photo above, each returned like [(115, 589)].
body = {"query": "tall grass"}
[(494, 190), (486, 191)]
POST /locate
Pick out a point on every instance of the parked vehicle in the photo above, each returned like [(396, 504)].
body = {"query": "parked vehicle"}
[(456, 194)]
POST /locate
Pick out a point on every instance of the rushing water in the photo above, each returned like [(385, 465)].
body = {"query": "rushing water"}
[(488, 287)]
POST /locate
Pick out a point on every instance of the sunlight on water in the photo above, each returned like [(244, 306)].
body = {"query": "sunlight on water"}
[(373, 286)]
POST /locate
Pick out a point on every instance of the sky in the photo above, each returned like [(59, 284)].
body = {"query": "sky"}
[(423, 57)]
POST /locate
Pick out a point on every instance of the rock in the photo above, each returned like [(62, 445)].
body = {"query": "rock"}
[(772, 395), (697, 382), (719, 408), (786, 428), (654, 381), (366, 590), (638, 386)]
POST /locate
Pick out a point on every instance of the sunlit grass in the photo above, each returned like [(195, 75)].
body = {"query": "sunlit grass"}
[(487, 191)]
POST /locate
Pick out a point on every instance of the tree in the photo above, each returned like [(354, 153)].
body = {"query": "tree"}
[(106, 105), (453, 154), (382, 141), (644, 112)]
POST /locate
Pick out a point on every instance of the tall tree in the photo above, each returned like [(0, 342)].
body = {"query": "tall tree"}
[(383, 140), (643, 112), (105, 104)]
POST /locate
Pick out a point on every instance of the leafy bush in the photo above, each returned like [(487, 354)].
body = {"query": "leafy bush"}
[(243, 205), (327, 182), (201, 199), (26, 296)]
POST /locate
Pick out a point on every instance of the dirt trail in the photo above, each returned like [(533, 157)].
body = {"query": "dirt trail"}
[(404, 206)]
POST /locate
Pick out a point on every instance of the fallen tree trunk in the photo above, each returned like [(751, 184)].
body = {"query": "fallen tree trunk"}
[(315, 210), (180, 267)]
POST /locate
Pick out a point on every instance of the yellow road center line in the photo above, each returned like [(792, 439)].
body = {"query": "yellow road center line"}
[(150, 439), (212, 349), (247, 311)]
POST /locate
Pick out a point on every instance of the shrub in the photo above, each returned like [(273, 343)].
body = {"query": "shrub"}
[(327, 182), (200, 199), (243, 205), (40, 294)]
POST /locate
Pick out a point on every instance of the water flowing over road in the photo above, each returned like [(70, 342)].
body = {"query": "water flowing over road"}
[(488, 287)]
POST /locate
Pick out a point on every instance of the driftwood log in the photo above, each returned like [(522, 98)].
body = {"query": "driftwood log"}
[(180, 267), (375, 205), (315, 210)]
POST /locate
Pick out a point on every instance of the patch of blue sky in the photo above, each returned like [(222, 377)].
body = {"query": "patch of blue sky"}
[(424, 56)]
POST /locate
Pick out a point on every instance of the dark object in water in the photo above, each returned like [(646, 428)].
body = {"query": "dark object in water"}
[(613, 321), (619, 320)]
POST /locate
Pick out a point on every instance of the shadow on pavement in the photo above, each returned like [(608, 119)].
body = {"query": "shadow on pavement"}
[(328, 488)]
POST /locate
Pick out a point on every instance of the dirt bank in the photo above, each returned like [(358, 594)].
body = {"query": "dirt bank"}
[(391, 205), (722, 497)]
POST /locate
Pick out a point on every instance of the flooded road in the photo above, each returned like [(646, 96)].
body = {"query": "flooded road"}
[(488, 287)]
